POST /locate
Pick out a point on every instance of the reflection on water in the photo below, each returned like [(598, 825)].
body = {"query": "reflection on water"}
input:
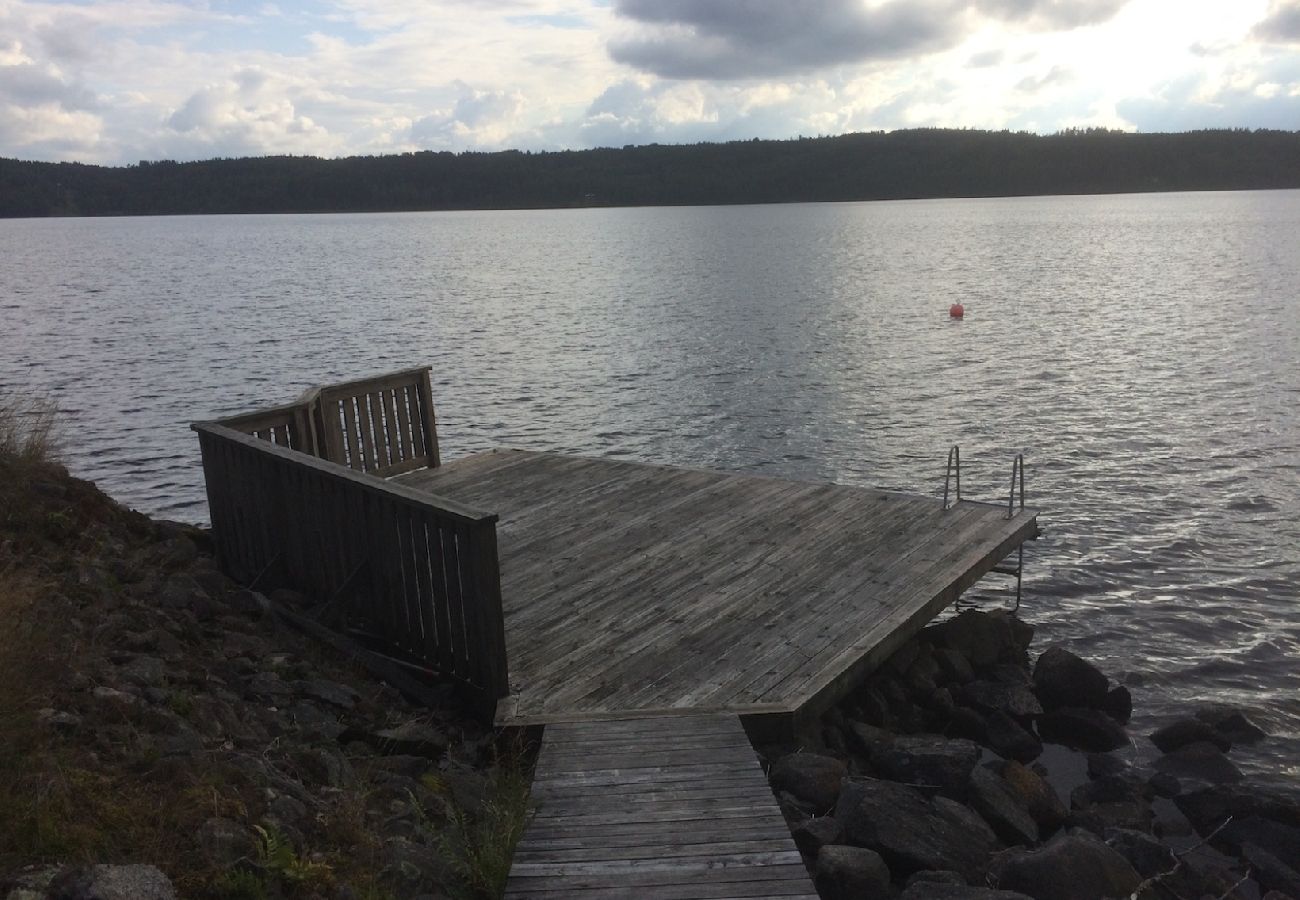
[(1140, 350)]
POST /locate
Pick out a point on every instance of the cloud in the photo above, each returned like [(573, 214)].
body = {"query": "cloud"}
[(250, 113), (1054, 76), (1051, 15), (732, 39), (1268, 97), (481, 118), (985, 59), (1281, 25), (29, 84)]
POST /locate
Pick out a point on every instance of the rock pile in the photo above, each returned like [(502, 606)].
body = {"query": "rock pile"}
[(928, 781), (268, 761)]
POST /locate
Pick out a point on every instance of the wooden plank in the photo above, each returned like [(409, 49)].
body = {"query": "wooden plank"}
[(716, 833)]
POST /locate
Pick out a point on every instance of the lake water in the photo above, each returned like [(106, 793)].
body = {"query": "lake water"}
[(1140, 350)]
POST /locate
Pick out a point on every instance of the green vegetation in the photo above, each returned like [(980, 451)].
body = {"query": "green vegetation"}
[(875, 166), (478, 838)]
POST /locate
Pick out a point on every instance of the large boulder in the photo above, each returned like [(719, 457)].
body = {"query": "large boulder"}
[(811, 835), (1016, 700), (985, 638), (1146, 854), (1207, 808), (1035, 794), (850, 873), (1082, 729), (910, 832), (1273, 874), (1008, 739), (1199, 761), (130, 882), (1182, 732), (1283, 841), (1000, 806), (929, 761), (1231, 723), (809, 777), (1074, 865), (1063, 679)]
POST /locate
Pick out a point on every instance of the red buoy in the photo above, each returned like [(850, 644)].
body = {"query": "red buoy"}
[(956, 310)]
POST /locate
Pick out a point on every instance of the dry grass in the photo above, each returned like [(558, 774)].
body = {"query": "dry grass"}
[(28, 428)]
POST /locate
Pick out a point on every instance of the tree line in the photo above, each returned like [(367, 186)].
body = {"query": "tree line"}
[(917, 163)]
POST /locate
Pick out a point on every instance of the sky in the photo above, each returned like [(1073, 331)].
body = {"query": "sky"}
[(120, 81)]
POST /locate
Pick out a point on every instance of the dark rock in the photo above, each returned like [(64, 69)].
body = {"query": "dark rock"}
[(927, 760), (225, 841), (331, 692), (812, 834), (1082, 729), (953, 666), (865, 739), (1005, 737), (922, 675), (967, 723), (1199, 761), (1109, 789), (143, 670), (932, 891), (1008, 673), (850, 873), (1163, 785), (175, 553), (58, 720), (288, 812), (408, 739), (291, 599), (965, 819), (1035, 794), (983, 638), (935, 876), (873, 707), (1000, 806), (131, 882), (1118, 704), (940, 702), (1015, 700), (1207, 808), (1073, 865), (814, 779), (902, 658), (1187, 731), (1133, 815), (269, 685), (248, 602), (1102, 764), (212, 582), (1146, 854), (1283, 841), (323, 766), (1231, 723), (908, 831), (1062, 679), (1272, 873)]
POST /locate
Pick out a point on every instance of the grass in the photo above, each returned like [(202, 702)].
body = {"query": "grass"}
[(27, 428), (477, 841)]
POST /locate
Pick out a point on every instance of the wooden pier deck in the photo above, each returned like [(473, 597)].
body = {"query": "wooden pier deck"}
[(668, 808), (632, 589)]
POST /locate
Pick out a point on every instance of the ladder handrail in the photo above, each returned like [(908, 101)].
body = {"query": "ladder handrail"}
[(1017, 471), (954, 467)]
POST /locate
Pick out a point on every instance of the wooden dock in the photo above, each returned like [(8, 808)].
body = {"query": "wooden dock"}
[(635, 610), (635, 589), (668, 808)]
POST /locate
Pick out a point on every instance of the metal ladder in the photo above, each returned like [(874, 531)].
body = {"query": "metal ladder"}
[(1015, 503)]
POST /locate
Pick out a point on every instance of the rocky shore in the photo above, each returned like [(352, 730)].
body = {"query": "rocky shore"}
[(960, 770), (162, 734)]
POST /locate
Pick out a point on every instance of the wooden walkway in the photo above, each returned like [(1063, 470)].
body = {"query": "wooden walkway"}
[(633, 589), (662, 808)]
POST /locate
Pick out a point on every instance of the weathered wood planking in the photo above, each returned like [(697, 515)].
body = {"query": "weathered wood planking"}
[(654, 808), (641, 589)]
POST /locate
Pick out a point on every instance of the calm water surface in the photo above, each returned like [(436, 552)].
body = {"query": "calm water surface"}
[(1141, 351)]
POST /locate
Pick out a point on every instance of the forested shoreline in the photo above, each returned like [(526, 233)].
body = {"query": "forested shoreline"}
[(919, 163)]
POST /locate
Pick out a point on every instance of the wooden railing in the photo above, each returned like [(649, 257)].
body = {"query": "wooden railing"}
[(417, 575)]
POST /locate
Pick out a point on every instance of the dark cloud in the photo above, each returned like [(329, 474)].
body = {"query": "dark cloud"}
[(728, 39), (1185, 104), (1281, 25), (1052, 15), (28, 84)]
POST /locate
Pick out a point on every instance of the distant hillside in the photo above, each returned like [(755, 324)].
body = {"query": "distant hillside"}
[(894, 165)]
